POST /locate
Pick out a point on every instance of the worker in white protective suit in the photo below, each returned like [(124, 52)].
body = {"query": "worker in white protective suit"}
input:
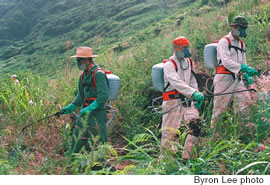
[(180, 85), (232, 64)]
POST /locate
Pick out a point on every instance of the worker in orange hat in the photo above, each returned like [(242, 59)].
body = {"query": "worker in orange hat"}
[(180, 88)]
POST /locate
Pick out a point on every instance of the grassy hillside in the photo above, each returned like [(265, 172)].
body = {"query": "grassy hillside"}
[(134, 135), (37, 35)]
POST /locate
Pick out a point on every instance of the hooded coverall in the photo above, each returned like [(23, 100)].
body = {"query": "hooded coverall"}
[(231, 59), (96, 120), (183, 81)]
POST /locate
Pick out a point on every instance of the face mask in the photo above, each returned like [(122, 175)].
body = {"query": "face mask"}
[(179, 55), (236, 33), (240, 33), (187, 53), (243, 33), (81, 67)]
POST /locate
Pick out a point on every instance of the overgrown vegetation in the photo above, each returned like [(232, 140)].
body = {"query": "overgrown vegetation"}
[(134, 136)]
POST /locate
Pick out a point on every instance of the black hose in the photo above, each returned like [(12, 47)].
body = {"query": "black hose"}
[(166, 112), (56, 114), (218, 94)]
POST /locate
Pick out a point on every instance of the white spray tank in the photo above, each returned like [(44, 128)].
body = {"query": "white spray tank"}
[(210, 56), (113, 85), (158, 77)]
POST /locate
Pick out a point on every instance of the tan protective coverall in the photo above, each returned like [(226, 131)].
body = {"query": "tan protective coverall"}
[(184, 82), (223, 83)]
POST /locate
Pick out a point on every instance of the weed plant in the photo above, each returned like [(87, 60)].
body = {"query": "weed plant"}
[(39, 96)]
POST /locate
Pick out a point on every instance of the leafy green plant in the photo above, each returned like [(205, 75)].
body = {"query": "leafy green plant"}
[(131, 58), (95, 161)]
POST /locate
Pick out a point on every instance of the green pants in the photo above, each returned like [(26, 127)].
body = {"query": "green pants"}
[(88, 126)]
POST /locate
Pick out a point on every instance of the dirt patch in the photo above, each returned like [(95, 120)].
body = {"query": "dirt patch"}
[(43, 142), (46, 139)]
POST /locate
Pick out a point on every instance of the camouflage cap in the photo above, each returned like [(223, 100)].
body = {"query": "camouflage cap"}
[(239, 21)]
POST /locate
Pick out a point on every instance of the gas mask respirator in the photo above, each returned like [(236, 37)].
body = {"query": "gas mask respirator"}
[(81, 66), (186, 53), (240, 33)]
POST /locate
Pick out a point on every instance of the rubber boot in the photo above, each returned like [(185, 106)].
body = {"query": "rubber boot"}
[(189, 143)]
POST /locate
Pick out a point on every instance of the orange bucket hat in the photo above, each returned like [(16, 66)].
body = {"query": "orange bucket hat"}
[(180, 41), (84, 52)]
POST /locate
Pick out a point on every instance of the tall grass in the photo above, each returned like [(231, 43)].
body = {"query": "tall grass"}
[(39, 96), (35, 98)]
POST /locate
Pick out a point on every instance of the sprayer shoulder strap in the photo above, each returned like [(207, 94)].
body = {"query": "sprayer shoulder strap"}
[(191, 64), (176, 69), (81, 77), (175, 66), (106, 72), (193, 72), (93, 77), (235, 47), (173, 62)]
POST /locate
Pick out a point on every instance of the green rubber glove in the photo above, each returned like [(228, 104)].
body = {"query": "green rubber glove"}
[(249, 80), (199, 98), (90, 108), (69, 109), (249, 70)]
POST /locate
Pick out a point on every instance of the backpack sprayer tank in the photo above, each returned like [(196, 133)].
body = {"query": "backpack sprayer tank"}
[(210, 56), (113, 82), (113, 86), (158, 77), (158, 73)]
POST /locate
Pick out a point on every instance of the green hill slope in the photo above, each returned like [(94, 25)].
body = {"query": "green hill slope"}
[(35, 34)]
